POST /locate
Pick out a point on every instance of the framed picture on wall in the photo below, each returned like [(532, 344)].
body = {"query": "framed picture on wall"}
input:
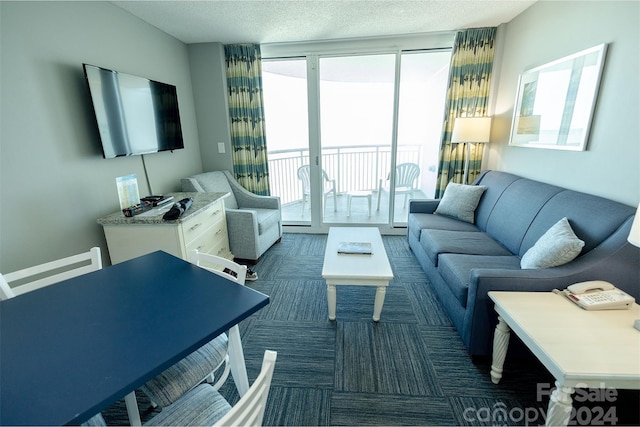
[(555, 102)]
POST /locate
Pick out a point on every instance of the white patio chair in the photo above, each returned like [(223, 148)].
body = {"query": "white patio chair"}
[(199, 366), (405, 183), (204, 406), (329, 186), (32, 278)]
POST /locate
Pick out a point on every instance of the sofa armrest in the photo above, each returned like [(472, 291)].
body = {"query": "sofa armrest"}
[(242, 226), (427, 206), (480, 317)]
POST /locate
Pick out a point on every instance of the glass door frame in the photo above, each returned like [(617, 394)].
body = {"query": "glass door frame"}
[(312, 51), (315, 144)]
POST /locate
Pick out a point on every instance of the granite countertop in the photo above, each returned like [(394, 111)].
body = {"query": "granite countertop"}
[(154, 216)]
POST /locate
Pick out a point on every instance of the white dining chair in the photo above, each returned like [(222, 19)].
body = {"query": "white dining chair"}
[(204, 363), (32, 278), (204, 406)]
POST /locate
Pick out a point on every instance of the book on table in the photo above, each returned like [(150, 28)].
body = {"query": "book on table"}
[(363, 248)]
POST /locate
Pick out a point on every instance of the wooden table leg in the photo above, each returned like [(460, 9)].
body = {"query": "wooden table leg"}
[(500, 344), (132, 409), (331, 301), (236, 359), (381, 291), (560, 405)]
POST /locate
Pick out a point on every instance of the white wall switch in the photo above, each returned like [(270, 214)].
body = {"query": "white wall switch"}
[(221, 147)]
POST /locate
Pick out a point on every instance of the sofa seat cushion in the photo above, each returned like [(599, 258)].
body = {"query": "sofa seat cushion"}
[(267, 218), (419, 221), (436, 242), (455, 269)]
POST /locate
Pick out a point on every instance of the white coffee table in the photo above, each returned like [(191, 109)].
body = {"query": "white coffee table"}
[(355, 269), (580, 348)]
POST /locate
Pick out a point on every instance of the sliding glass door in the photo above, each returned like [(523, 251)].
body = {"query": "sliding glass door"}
[(356, 132), (352, 138), (287, 130), (423, 87)]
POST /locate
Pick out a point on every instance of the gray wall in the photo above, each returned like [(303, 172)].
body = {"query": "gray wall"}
[(208, 77), (549, 30), (54, 183)]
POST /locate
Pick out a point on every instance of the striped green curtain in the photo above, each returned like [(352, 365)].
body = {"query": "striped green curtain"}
[(467, 96), (246, 112)]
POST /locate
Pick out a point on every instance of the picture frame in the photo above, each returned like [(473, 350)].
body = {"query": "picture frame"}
[(555, 102)]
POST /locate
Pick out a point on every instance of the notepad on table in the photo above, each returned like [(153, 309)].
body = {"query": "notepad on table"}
[(354, 248)]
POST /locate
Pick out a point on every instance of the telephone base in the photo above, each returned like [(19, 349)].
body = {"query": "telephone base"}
[(636, 324)]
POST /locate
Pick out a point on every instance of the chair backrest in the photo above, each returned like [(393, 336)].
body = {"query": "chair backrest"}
[(5, 290), (211, 182), (220, 266), (32, 278), (249, 411), (304, 173), (406, 174)]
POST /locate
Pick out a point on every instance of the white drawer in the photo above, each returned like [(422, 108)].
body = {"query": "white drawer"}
[(211, 241), (195, 227)]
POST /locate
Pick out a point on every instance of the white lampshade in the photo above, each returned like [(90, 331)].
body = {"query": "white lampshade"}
[(634, 235), (471, 129)]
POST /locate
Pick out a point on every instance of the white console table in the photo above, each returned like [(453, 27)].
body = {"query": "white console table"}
[(580, 348), (203, 226)]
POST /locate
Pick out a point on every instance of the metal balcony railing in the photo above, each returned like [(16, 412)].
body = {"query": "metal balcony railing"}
[(354, 167)]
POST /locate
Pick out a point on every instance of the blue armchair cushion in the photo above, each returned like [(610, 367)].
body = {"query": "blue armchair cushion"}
[(267, 218)]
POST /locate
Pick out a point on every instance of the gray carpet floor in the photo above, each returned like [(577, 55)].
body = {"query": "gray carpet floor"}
[(410, 368)]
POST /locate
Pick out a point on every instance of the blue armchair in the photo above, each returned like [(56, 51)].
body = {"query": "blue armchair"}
[(254, 223)]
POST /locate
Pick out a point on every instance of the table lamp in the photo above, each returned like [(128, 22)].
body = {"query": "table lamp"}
[(470, 130)]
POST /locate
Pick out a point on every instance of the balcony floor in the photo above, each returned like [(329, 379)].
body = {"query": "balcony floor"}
[(292, 213)]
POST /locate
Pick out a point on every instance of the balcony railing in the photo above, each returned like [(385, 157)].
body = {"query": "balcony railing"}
[(354, 167)]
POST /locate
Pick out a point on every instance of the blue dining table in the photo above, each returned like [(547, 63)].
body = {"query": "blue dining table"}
[(72, 349)]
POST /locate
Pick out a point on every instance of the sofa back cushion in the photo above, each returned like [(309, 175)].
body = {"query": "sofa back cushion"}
[(516, 209), (496, 183), (592, 218)]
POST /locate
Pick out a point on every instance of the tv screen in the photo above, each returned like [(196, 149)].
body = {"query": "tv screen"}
[(135, 115)]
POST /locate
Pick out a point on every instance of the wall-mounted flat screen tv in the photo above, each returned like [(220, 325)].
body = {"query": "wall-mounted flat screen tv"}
[(135, 115)]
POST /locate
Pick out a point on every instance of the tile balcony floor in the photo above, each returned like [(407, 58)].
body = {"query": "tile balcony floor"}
[(292, 213)]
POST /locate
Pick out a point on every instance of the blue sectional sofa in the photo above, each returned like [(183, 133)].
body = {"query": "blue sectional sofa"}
[(464, 261)]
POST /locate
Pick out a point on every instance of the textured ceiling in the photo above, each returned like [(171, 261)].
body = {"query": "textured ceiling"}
[(264, 21)]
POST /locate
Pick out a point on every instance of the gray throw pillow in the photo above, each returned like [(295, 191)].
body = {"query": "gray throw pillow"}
[(557, 246), (460, 201)]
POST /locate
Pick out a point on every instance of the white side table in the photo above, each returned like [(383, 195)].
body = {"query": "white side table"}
[(580, 348), (352, 194)]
